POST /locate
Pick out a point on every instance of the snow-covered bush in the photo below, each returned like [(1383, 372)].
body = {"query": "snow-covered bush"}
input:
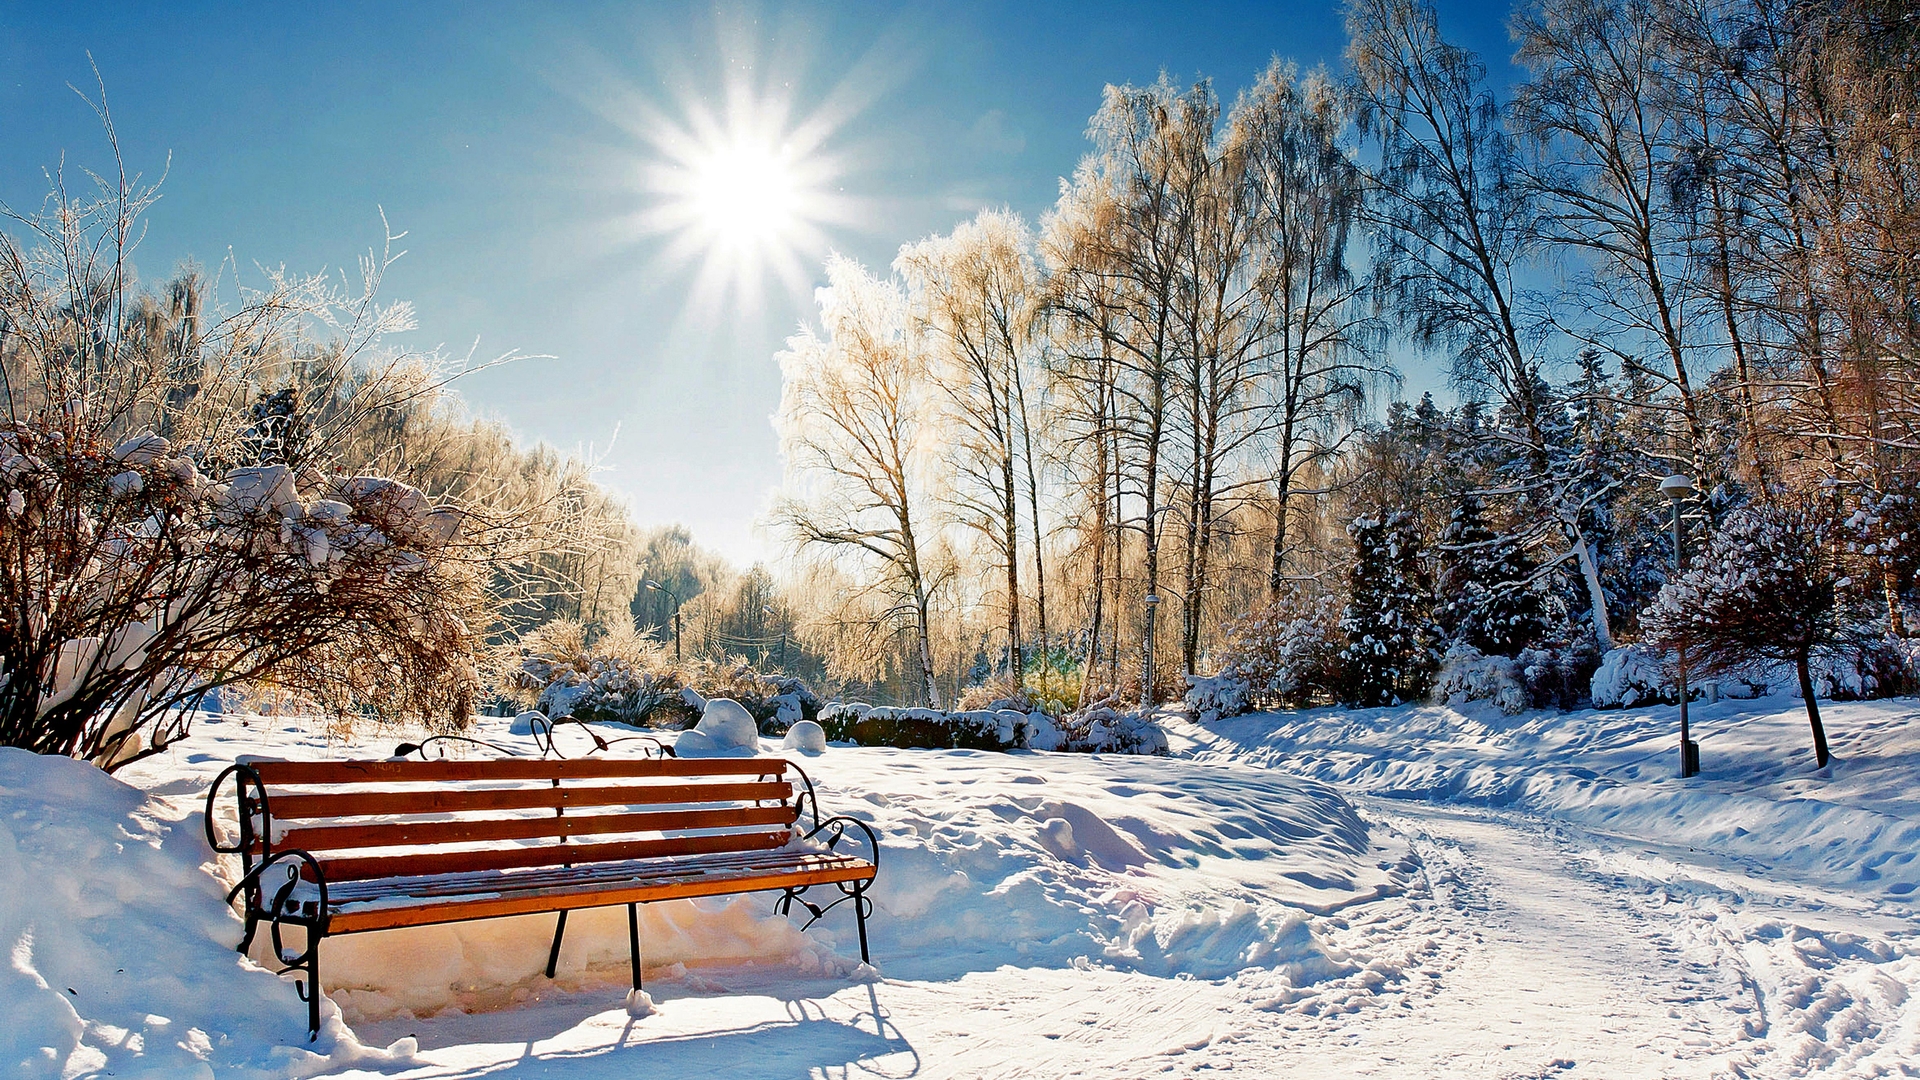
[(1633, 675), (920, 728), (1284, 654), (1468, 675), (1098, 729), (1102, 729), (1559, 676), (627, 676), (1217, 697)]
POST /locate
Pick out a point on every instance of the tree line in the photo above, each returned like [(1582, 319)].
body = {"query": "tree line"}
[(1682, 241)]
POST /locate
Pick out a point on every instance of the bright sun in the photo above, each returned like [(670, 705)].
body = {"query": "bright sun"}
[(744, 194)]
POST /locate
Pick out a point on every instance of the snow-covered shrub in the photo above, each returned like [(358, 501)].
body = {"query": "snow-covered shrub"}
[(917, 728), (1217, 697), (1633, 675), (1102, 729), (1284, 654), (1559, 676), (1467, 675), (627, 676), (1865, 667)]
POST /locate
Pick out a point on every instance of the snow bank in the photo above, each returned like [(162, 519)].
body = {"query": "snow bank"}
[(989, 859), (1148, 864), (120, 949)]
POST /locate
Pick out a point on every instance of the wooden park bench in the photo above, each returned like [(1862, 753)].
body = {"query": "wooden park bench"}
[(342, 847)]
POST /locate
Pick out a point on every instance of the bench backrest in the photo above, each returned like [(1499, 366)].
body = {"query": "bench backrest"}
[(376, 819)]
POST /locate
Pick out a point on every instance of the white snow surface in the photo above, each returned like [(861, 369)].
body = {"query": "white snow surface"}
[(1408, 892)]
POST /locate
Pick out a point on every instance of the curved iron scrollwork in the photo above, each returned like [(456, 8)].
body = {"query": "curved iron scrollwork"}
[(832, 833), (280, 905), (804, 799), (434, 747)]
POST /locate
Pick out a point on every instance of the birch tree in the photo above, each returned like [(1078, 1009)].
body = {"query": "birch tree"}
[(854, 432)]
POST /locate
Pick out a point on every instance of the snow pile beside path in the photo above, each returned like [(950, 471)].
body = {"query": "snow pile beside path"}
[(1160, 866), (1855, 825), (120, 950)]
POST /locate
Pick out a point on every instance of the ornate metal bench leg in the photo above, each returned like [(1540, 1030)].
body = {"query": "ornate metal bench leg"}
[(860, 906), (633, 941), (252, 925), (553, 955), (313, 986)]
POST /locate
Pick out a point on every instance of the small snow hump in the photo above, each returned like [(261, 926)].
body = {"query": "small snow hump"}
[(805, 737), (640, 1004)]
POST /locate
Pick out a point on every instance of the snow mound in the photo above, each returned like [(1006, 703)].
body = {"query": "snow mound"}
[(1147, 864), (805, 737), (121, 949), (726, 729)]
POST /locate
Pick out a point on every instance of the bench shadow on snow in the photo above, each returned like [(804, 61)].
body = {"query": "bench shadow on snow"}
[(808, 1042)]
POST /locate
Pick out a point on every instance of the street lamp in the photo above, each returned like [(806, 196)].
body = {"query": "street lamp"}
[(767, 610), (1146, 676), (654, 586), (1678, 488)]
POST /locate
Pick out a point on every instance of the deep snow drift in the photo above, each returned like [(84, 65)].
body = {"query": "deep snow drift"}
[(1416, 891)]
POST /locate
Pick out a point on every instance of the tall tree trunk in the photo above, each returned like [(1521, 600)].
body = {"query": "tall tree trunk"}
[(1033, 507), (1596, 596), (1097, 607), (1010, 518), (1820, 755)]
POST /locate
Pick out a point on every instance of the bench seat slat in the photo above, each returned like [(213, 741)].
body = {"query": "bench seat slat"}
[(458, 800), (490, 899), (321, 838), (506, 858), (275, 772)]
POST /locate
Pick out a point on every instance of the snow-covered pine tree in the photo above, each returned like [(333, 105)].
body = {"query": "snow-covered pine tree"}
[(1391, 652), (1763, 587), (1483, 594)]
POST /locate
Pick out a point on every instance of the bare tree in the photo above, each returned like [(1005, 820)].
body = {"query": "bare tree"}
[(1457, 231), (976, 294), (1307, 195), (852, 423)]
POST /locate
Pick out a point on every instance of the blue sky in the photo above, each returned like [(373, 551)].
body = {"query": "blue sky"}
[(508, 142)]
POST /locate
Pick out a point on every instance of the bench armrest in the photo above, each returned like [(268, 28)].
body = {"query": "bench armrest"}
[(834, 830), (281, 906)]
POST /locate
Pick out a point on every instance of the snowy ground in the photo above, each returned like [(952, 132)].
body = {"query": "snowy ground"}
[(1405, 892)]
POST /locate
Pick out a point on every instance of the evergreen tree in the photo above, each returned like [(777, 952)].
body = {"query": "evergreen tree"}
[(1484, 597), (1391, 652)]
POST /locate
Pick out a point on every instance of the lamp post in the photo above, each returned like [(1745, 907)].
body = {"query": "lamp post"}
[(654, 586), (1677, 488), (1146, 675), (767, 610)]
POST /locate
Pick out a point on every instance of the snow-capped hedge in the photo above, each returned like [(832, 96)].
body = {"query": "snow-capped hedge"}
[(1094, 730)]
